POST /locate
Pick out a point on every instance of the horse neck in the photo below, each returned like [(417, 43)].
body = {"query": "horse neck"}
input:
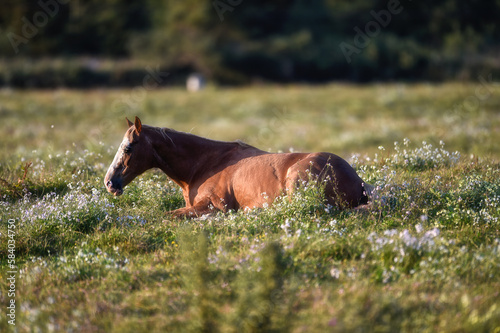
[(184, 156)]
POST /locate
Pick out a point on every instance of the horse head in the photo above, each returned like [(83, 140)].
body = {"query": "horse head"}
[(132, 159)]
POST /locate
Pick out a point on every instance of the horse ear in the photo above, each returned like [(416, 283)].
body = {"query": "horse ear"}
[(130, 124), (138, 125)]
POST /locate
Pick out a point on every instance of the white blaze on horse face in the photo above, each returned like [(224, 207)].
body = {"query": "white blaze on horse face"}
[(120, 154), (121, 150), (115, 171)]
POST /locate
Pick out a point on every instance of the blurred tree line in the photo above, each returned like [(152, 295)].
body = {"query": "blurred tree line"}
[(239, 41)]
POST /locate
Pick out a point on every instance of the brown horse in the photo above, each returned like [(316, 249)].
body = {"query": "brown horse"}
[(227, 175)]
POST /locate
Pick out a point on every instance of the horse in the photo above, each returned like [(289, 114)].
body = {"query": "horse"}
[(218, 175)]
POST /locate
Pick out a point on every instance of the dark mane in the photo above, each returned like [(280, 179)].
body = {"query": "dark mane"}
[(244, 145), (164, 131)]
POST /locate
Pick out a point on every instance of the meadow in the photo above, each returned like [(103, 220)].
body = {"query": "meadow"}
[(424, 256)]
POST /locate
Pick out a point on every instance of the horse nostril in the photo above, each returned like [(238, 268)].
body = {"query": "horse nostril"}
[(109, 183)]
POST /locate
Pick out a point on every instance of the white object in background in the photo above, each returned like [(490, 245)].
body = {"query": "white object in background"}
[(195, 82)]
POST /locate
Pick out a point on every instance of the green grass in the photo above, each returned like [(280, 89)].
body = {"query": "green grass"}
[(423, 257)]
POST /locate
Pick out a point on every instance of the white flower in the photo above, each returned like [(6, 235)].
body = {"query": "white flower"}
[(335, 273), (432, 233)]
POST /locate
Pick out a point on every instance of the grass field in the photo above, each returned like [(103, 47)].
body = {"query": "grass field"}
[(424, 257)]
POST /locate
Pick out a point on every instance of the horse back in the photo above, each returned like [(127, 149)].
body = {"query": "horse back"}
[(270, 175), (342, 184)]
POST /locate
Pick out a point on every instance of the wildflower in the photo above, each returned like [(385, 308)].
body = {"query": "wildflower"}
[(335, 273)]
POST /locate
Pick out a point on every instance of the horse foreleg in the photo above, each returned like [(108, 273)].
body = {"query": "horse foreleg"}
[(191, 212)]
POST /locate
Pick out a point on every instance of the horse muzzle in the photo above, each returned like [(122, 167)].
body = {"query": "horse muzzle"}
[(114, 188)]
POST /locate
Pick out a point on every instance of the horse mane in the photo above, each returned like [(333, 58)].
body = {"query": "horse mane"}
[(164, 131), (244, 145)]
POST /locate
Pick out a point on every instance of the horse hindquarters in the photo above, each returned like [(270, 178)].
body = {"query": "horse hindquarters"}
[(343, 187)]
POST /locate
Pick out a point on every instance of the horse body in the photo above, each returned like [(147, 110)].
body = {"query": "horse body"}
[(227, 175)]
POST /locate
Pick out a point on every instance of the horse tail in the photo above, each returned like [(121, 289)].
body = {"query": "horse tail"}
[(369, 190), (369, 193), (367, 196)]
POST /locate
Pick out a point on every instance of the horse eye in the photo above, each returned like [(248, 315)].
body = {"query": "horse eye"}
[(127, 149)]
